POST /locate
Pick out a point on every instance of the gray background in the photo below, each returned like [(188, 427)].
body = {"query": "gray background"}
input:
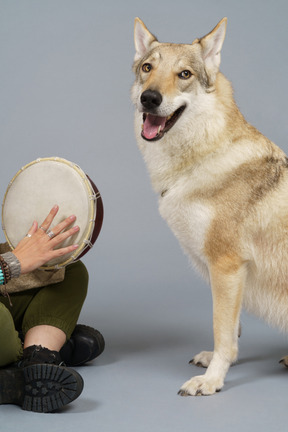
[(65, 78)]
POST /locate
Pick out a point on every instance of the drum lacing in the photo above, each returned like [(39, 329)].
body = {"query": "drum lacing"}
[(95, 196), (88, 243)]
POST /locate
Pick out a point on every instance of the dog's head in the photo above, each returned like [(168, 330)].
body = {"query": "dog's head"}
[(171, 79)]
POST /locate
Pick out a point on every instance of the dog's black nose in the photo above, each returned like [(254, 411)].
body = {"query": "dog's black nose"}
[(151, 99)]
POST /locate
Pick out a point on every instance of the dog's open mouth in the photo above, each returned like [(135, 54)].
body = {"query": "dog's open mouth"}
[(154, 127)]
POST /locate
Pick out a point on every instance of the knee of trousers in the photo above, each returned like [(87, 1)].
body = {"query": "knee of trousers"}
[(77, 276), (6, 319), (11, 347)]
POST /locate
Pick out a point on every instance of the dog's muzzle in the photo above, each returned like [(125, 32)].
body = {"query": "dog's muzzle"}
[(154, 126)]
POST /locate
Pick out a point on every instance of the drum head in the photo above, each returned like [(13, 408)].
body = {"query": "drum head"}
[(36, 188)]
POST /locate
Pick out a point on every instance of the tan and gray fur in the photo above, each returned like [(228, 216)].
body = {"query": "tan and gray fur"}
[(222, 186)]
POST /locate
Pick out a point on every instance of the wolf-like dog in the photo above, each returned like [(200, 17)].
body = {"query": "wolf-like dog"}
[(222, 186)]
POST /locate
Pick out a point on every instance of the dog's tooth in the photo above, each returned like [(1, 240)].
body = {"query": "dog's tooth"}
[(159, 130)]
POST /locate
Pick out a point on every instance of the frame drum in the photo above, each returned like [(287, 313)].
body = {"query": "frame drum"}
[(36, 188)]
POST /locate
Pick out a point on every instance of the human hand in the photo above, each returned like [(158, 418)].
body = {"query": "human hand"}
[(37, 247)]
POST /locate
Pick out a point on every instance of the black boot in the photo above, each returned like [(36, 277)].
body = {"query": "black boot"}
[(39, 383), (85, 344)]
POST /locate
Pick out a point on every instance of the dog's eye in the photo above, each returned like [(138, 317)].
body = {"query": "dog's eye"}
[(185, 74), (146, 67)]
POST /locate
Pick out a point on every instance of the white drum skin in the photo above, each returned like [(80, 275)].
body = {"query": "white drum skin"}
[(36, 188)]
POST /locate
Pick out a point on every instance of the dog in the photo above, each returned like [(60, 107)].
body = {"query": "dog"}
[(222, 187)]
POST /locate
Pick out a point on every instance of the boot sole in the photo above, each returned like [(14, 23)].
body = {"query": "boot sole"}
[(40, 388)]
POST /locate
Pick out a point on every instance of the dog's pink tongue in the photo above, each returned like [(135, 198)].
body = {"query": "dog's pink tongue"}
[(151, 125)]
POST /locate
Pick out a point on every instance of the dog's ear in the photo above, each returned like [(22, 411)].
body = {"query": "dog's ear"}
[(142, 38), (211, 46)]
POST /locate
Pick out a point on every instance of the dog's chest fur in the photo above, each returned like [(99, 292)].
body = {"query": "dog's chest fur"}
[(189, 219)]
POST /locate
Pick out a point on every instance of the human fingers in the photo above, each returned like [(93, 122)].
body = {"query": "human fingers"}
[(57, 239), (32, 230), (61, 226), (49, 219), (35, 251), (28, 236), (56, 253)]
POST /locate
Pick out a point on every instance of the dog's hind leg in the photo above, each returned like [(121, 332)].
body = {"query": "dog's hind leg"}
[(227, 280)]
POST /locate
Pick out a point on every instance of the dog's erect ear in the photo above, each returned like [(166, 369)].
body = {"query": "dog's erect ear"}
[(211, 45), (142, 38)]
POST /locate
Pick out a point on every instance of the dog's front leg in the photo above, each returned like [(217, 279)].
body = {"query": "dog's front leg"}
[(227, 281)]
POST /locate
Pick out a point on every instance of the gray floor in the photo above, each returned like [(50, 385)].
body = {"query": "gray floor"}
[(65, 79), (133, 386)]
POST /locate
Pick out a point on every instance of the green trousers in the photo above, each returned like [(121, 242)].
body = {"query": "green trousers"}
[(58, 305)]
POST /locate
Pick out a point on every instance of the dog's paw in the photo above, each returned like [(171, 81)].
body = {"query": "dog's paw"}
[(202, 359), (284, 361), (201, 386)]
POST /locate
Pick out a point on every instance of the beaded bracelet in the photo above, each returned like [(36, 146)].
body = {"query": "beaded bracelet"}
[(5, 276), (5, 271)]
